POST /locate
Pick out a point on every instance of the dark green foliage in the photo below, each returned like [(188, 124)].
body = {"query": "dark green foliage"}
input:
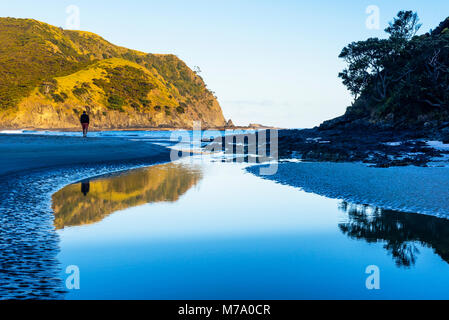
[(116, 102), (180, 110), (79, 92), (57, 98), (402, 77), (442, 28), (127, 83), (135, 105), (157, 108), (132, 56), (99, 82), (404, 26), (145, 102), (176, 73), (167, 110), (48, 87)]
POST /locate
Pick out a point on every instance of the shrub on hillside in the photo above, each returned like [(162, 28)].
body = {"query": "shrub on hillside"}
[(57, 98), (135, 106), (79, 92), (116, 102), (180, 110)]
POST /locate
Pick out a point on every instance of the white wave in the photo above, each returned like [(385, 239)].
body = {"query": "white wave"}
[(12, 131)]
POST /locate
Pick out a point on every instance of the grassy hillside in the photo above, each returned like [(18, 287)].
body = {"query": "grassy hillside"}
[(49, 75)]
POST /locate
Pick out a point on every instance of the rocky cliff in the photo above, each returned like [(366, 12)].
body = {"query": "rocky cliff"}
[(48, 76)]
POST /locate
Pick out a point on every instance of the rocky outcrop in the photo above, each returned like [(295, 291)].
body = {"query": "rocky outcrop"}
[(230, 124), (341, 140)]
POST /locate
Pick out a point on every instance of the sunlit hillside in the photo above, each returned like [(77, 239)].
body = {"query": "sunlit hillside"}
[(49, 75)]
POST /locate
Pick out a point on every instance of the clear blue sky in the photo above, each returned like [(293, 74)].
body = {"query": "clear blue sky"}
[(270, 62)]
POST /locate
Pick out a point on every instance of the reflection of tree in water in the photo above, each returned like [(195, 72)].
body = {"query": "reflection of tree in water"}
[(400, 231), (91, 201)]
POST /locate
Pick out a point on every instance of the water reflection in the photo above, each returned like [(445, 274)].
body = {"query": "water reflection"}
[(400, 231), (101, 197)]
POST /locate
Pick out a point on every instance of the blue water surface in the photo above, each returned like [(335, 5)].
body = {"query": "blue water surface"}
[(232, 235)]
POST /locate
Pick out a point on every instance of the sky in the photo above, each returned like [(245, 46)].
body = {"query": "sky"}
[(270, 62)]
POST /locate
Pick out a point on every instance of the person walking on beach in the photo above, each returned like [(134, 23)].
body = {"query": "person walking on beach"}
[(85, 123)]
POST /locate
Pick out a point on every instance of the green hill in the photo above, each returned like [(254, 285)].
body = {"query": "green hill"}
[(49, 75)]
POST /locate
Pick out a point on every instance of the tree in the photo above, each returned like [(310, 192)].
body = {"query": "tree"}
[(404, 77), (367, 65), (434, 76), (375, 64), (404, 27)]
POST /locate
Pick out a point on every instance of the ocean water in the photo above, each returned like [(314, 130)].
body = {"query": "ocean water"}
[(206, 228)]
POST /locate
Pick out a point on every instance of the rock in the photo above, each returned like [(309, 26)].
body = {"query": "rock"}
[(229, 124), (430, 124)]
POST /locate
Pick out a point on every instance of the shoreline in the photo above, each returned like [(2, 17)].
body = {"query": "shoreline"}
[(150, 129)]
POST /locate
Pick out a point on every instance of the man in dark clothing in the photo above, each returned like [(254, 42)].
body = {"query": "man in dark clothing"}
[(85, 123)]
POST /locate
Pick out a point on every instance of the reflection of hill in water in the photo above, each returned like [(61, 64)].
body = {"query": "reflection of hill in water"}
[(400, 231), (90, 202)]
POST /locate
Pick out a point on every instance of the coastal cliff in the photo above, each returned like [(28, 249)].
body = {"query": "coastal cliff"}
[(48, 76)]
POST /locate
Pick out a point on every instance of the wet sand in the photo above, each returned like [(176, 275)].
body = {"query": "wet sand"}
[(408, 189), (20, 153)]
